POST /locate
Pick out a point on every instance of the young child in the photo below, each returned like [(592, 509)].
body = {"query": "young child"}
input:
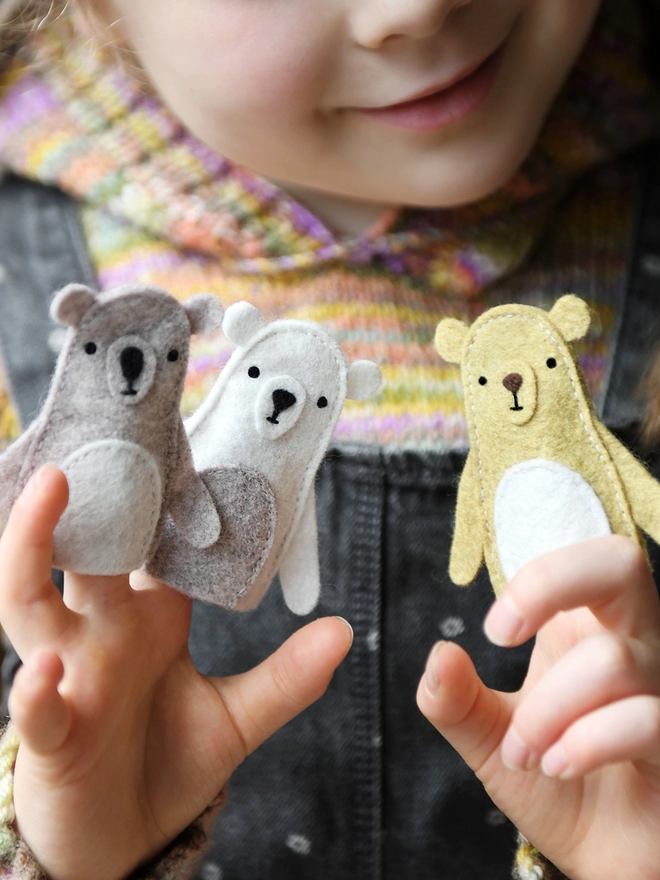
[(373, 165)]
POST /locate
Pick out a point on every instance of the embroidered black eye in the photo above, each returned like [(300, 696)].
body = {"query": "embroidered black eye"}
[(90, 348), (322, 402), (482, 380), (551, 363), (173, 355), (254, 372)]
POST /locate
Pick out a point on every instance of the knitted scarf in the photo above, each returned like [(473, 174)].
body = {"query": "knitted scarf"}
[(115, 146)]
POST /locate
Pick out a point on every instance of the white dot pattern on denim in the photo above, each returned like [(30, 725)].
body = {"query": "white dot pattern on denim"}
[(299, 844), (210, 871), (373, 640), (495, 817), (451, 627)]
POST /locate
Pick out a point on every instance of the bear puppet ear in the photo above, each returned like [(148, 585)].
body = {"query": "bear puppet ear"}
[(242, 321), (204, 312), (450, 336), (363, 380), (571, 316), (70, 304)]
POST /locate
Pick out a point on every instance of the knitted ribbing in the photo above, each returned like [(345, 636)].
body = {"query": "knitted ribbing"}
[(530, 864), (8, 752), (376, 315), (16, 860), (18, 863)]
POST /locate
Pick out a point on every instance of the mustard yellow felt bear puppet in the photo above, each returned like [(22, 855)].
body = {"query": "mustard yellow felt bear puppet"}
[(542, 471)]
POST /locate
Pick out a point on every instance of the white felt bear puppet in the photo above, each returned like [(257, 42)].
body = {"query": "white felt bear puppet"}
[(111, 422), (257, 441)]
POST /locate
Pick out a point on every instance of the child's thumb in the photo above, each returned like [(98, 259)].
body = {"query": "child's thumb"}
[(469, 715), (265, 698)]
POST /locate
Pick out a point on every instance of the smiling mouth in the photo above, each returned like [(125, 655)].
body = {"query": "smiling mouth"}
[(441, 106)]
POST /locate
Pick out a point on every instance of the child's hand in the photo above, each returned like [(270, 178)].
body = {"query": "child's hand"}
[(123, 743), (585, 727)]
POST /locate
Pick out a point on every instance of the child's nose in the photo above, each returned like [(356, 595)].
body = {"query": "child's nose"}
[(374, 22)]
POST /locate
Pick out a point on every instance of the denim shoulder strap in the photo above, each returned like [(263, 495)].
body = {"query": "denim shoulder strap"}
[(41, 249), (639, 327)]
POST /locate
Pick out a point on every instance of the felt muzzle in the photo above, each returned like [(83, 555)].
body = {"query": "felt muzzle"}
[(130, 368)]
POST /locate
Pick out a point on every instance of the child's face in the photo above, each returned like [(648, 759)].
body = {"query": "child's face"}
[(305, 91)]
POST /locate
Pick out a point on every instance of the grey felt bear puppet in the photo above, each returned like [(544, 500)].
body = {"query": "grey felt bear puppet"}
[(257, 441), (111, 422)]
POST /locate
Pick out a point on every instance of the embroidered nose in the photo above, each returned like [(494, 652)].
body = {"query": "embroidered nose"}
[(282, 399), (512, 382), (131, 361)]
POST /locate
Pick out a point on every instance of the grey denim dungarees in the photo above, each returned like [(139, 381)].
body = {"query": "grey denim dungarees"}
[(360, 786)]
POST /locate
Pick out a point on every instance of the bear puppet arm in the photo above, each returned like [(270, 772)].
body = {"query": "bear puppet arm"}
[(642, 490), (299, 569), (467, 549), (191, 506)]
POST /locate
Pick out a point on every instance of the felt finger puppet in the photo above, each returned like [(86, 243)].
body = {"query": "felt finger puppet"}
[(111, 423), (542, 471), (257, 441)]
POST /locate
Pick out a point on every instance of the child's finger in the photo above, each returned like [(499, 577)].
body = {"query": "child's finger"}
[(101, 593), (600, 670), (610, 576), (85, 593), (31, 609), (265, 698), (625, 731), (469, 715), (37, 709)]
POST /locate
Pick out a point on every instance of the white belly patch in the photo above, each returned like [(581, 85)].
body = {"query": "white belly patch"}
[(542, 506), (115, 497)]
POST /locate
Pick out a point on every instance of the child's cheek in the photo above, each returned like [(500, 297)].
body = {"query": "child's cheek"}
[(230, 59)]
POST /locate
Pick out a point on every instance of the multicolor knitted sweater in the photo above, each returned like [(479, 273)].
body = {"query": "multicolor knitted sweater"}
[(159, 207)]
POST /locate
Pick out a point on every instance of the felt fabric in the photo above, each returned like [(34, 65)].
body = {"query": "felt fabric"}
[(122, 518), (271, 414), (111, 422), (541, 506), (18, 863), (189, 500), (226, 570), (536, 442), (299, 570)]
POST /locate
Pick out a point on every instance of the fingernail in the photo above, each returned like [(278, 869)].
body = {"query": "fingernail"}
[(347, 624), (503, 624), (32, 488), (555, 763), (431, 679), (42, 474), (515, 754)]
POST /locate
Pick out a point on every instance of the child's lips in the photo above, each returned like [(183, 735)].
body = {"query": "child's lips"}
[(445, 105)]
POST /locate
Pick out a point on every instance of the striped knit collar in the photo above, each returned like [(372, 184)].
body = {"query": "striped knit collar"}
[(82, 124)]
